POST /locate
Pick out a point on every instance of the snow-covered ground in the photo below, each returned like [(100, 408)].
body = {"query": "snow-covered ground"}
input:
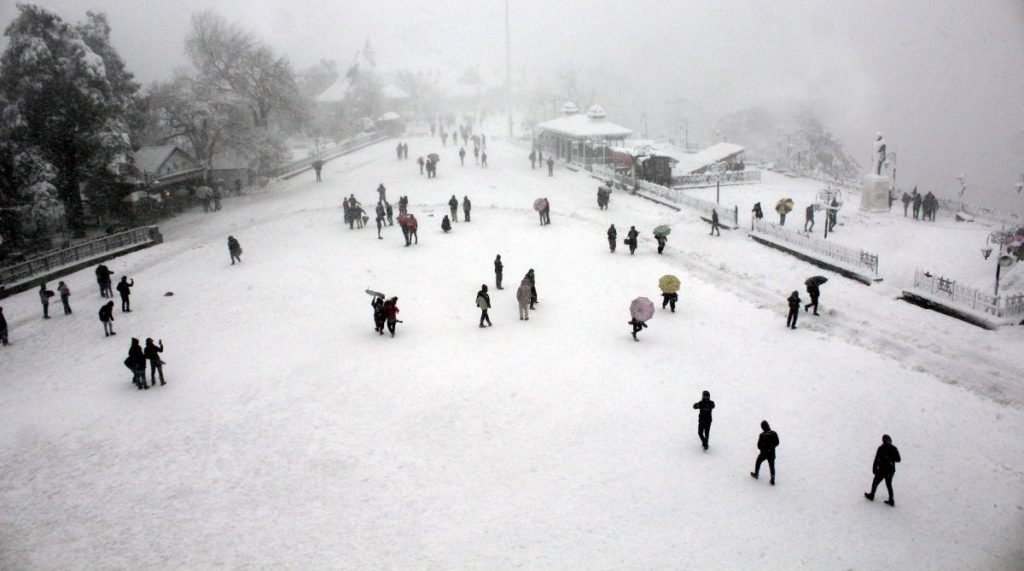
[(291, 435)]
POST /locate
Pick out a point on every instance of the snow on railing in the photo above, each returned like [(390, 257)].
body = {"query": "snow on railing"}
[(728, 215), (346, 146), (711, 179), (1010, 219), (86, 250), (969, 297), (858, 258)]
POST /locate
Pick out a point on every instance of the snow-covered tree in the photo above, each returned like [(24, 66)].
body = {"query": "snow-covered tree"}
[(68, 102)]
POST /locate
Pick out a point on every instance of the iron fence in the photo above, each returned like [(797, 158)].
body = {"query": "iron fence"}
[(84, 251), (346, 146), (969, 297), (725, 178), (857, 258)]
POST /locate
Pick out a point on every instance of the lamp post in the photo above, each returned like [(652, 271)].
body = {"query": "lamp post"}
[(998, 237), (963, 189)]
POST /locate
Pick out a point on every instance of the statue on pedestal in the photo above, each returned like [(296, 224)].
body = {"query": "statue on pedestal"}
[(879, 157)]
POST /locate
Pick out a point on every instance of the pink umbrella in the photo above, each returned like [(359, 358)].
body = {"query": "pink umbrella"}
[(540, 204), (641, 309)]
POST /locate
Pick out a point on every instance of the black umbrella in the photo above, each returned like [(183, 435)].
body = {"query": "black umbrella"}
[(815, 280)]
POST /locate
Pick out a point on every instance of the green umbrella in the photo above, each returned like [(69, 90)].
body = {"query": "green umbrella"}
[(668, 283), (662, 230)]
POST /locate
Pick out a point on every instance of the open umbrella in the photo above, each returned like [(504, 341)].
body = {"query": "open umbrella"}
[(784, 206), (668, 283), (815, 280), (540, 204), (374, 293), (641, 309), (434, 157), (204, 192), (662, 230), (404, 220)]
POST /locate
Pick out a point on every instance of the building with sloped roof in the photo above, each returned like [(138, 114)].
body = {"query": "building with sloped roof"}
[(582, 138)]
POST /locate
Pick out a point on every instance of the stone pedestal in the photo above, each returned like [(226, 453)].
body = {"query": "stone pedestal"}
[(874, 194)]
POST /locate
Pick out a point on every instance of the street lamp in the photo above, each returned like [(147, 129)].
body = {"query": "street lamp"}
[(1002, 260), (826, 196)]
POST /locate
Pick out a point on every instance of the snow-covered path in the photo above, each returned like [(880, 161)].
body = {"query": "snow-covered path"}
[(292, 435)]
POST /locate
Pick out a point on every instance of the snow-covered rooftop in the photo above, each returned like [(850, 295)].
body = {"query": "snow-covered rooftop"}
[(691, 162), (150, 159), (583, 126)]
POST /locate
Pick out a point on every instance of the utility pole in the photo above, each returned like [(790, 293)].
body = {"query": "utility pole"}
[(508, 71)]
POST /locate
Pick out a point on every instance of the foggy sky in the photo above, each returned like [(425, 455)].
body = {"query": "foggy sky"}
[(944, 81)]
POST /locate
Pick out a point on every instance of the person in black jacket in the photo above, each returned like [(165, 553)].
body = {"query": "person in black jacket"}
[(766, 443), (125, 289), (107, 318), (136, 361), (466, 205), (483, 301), (3, 327), (714, 223), (809, 218), (533, 287), (44, 298), (446, 225), (638, 326), (884, 467), (453, 204), (234, 248), (662, 240), (498, 268), (814, 292), (670, 300), (613, 235), (156, 365), (631, 237), (794, 309), (704, 405), (103, 279), (378, 314)]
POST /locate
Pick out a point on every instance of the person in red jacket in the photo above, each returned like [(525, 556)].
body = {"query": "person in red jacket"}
[(391, 313)]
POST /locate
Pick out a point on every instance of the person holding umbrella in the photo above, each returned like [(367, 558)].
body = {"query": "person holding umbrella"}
[(391, 313), (812, 290), (483, 301), (794, 309), (669, 285), (641, 310), (783, 207), (661, 235), (612, 237), (378, 314), (540, 205)]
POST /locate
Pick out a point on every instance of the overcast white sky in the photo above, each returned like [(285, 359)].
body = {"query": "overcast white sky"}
[(943, 80)]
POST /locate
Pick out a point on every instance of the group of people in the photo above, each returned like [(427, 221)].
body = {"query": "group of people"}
[(402, 150), (385, 313), (604, 195), (537, 159), (794, 301), (526, 294), (137, 359), (429, 164), (631, 239), (354, 214), (924, 207)]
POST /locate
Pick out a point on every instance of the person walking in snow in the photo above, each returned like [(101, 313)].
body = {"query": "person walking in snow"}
[(809, 218), (638, 326), (533, 159), (662, 240), (498, 267), (453, 205), (390, 213), (136, 361), (631, 237), (65, 296), (124, 287), (421, 162), (156, 365), (446, 225), (832, 215), (917, 199), (398, 151), (107, 318), (483, 301), (532, 278), (705, 405), (612, 237), (235, 249), (462, 156), (405, 151), (44, 299), (523, 299), (483, 159), (3, 327), (391, 313), (758, 213), (444, 139), (545, 213), (381, 193), (476, 155), (814, 292), (379, 218), (714, 223), (884, 468), (670, 300), (103, 279), (413, 227), (378, 314), (906, 202), (403, 205), (794, 309), (318, 166), (767, 442), (466, 207)]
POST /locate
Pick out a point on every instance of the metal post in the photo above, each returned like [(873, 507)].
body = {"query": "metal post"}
[(998, 268), (508, 71)]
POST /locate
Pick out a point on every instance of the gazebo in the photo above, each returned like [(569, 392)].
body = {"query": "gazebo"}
[(580, 138)]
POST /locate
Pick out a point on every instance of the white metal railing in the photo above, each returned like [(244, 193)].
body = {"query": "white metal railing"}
[(858, 258), (1007, 218), (84, 251), (969, 297), (346, 146), (726, 214), (711, 179)]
